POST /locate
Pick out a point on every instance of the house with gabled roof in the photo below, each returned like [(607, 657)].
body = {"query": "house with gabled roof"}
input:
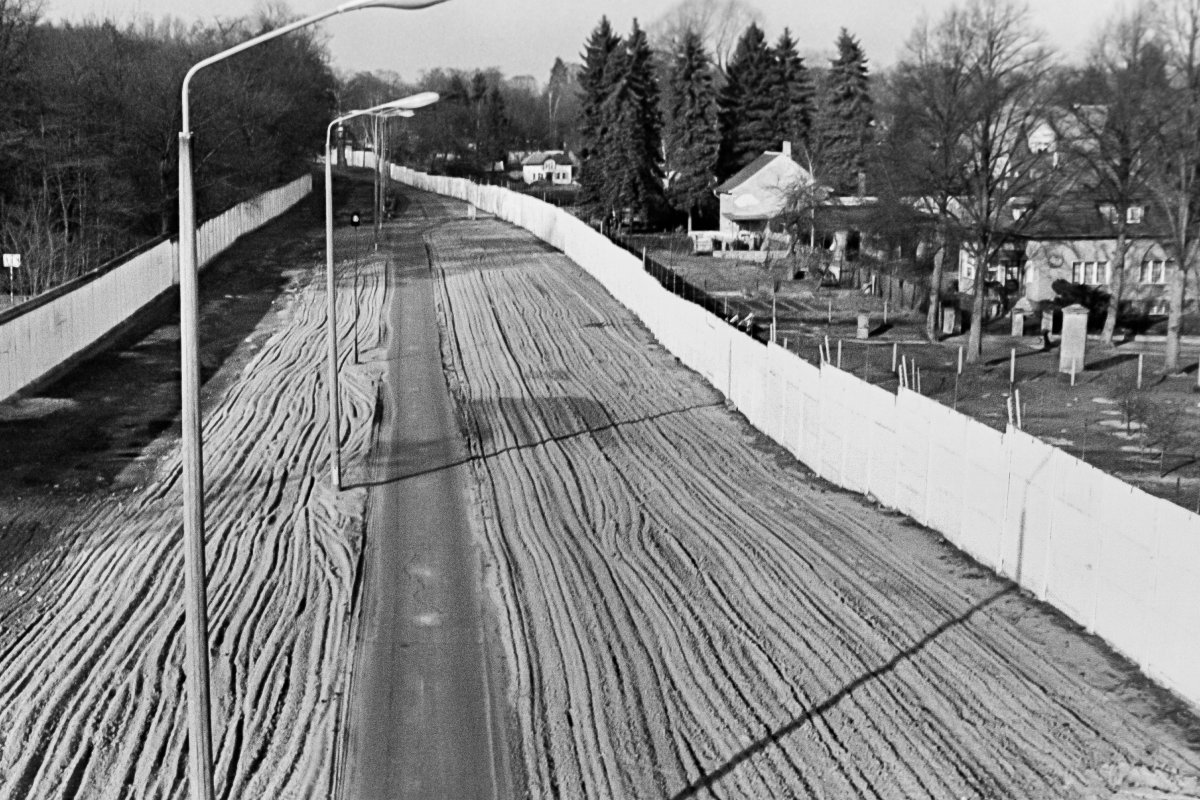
[(554, 166), (758, 193)]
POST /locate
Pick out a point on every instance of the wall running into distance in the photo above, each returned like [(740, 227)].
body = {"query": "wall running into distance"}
[(1121, 563), (50, 330)]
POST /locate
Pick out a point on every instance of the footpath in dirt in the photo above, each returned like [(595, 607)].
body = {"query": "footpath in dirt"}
[(91, 615), (687, 612), (422, 724)]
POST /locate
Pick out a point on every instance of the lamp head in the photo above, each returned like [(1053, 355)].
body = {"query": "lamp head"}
[(414, 101), (403, 5)]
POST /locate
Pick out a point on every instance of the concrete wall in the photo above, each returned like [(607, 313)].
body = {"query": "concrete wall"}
[(38, 337), (1123, 564)]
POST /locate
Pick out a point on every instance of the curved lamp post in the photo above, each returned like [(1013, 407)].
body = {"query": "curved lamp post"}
[(195, 592), (403, 106)]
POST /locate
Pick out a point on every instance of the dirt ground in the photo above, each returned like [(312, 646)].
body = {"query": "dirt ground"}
[(91, 679), (688, 612), (684, 611), (1148, 437)]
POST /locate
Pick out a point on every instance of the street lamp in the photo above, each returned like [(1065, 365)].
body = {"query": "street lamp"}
[(195, 591), (402, 106), (382, 142)]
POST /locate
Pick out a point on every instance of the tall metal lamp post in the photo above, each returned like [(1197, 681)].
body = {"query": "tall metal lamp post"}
[(404, 107), (195, 591)]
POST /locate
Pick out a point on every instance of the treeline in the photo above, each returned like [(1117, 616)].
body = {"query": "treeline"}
[(480, 118), (89, 134), (662, 126), (999, 140), (972, 142)]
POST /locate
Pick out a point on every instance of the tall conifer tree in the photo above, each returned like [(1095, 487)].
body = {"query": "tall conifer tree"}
[(846, 116), (793, 94), (596, 81), (692, 138), (746, 106), (632, 172)]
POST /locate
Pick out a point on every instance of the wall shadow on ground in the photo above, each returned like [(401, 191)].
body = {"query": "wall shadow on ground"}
[(527, 423), (708, 780)]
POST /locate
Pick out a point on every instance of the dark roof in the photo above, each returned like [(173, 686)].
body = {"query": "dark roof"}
[(745, 173), (542, 156), (1080, 217)]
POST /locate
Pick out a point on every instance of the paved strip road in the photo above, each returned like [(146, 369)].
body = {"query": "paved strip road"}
[(421, 725)]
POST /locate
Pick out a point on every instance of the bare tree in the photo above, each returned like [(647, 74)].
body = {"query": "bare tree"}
[(929, 133), (1108, 125), (719, 22), (976, 81), (1175, 180)]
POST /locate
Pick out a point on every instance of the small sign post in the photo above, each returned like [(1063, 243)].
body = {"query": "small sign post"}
[(11, 261)]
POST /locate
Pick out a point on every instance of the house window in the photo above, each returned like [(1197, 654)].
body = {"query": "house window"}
[(1153, 271), (1134, 215), (1090, 273), (1109, 212)]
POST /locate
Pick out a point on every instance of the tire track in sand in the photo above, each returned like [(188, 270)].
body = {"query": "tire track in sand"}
[(687, 613), (91, 685)]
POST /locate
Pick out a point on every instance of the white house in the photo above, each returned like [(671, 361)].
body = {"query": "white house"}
[(554, 166), (759, 192)]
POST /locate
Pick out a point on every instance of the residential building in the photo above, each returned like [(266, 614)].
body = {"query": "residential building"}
[(553, 166), (751, 199), (1076, 241)]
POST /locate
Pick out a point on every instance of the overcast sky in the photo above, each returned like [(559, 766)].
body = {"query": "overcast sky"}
[(523, 37)]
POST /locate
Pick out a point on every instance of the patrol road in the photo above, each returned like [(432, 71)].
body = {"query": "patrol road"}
[(421, 722)]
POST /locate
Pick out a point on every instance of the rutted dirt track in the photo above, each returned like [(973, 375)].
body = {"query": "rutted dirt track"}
[(91, 647), (688, 613)]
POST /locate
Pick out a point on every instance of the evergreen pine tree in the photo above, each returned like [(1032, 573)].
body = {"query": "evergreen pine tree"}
[(633, 174), (692, 138), (793, 94), (846, 116), (595, 81), (746, 109), (495, 128)]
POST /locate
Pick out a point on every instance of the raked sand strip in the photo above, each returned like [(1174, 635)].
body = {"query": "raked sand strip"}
[(687, 612), (91, 647)]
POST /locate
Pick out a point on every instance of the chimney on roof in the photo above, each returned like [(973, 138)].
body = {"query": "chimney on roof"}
[(787, 149)]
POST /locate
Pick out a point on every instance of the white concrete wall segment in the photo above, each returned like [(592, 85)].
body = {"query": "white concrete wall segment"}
[(1121, 563), (832, 425), (1073, 546), (946, 476), (985, 474), (748, 375), (36, 342), (1123, 604), (1031, 488), (877, 409), (912, 455), (1175, 655), (810, 416)]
